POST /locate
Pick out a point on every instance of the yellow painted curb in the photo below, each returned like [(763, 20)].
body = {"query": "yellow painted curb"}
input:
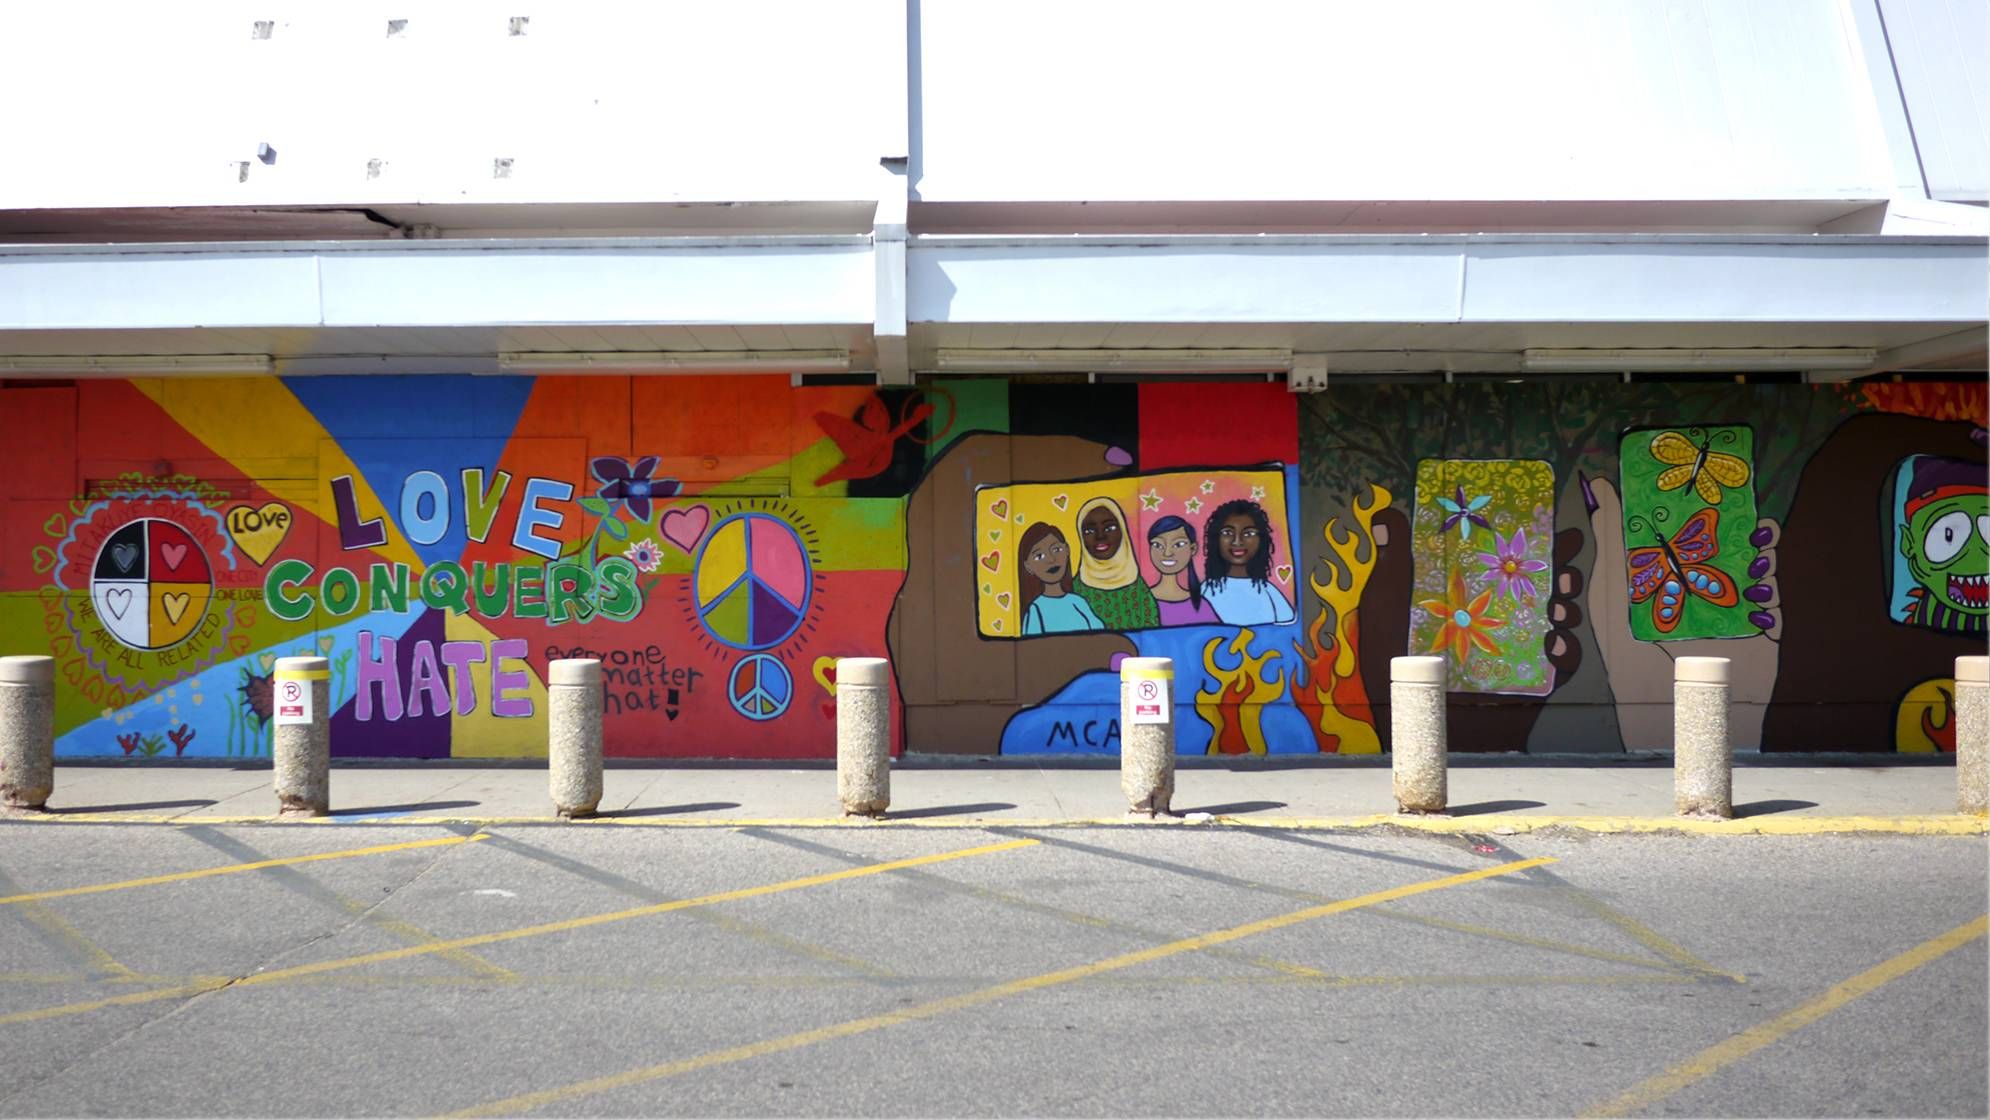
[(1947, 825), (1501, 824)]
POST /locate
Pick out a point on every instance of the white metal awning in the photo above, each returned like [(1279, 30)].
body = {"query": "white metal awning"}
[(1444, 302), (455, 304), (1374, 302)]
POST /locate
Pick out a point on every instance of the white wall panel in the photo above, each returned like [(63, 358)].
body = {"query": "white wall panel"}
[(1941, 50), (154, 104), (1412, 99)]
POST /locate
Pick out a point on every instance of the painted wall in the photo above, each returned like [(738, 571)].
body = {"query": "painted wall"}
[(718, 541), (440, 539), (1797, 530), (1558, 543)]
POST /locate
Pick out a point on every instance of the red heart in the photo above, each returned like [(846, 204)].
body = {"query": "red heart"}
[(830, 673), (1000, 509), (992, 561), (828, 710)]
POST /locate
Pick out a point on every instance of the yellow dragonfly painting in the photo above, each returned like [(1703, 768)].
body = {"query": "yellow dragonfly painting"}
[(1698, 464)]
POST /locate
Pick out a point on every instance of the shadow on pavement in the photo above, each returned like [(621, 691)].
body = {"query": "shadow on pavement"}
[(948, 810), (1763, 808), (133, 807), (1478, 807), (411, 807), (1233, 808), (663, 810)]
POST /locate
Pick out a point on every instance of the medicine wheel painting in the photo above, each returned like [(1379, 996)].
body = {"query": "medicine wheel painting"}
[(151, 584), (752, 578)]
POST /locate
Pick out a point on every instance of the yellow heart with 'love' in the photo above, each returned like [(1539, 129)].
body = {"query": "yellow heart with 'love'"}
[(259, 531)]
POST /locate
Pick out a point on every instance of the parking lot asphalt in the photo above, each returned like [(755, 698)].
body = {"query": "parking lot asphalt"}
[(566, 970)]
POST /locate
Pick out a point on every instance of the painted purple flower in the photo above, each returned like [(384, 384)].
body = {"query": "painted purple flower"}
[(631, 484), (1464, 514), (1508, 568)]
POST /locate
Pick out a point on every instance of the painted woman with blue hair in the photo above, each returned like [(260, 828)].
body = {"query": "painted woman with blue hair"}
[(1171, 548)]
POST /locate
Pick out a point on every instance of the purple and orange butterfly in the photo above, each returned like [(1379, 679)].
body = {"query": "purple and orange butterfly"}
[(1674, 571)]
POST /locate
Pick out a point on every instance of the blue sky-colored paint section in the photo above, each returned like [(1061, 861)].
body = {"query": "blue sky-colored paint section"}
[(392, 427), (1059, 726), (1902, 578), (220, 692)]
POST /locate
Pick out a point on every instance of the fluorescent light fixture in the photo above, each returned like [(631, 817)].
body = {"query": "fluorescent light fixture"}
[(1659, 361), (675, 361), (134, 365), (1112, 361)]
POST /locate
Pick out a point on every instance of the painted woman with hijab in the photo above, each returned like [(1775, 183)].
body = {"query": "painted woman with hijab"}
[(1171, 548), (1108, 574), (1236, 573), (1045, 579)]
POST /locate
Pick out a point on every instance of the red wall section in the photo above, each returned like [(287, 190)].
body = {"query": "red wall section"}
[(1201, 424)]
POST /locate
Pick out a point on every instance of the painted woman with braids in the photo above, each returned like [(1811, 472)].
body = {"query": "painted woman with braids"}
[(1236, 573)]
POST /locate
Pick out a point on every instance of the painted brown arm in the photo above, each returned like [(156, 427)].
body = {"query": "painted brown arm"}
[(958, 687)]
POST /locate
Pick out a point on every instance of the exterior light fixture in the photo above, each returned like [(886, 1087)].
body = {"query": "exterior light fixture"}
[(674, 361), (135, 365), (1660, 361), (1112, 361)]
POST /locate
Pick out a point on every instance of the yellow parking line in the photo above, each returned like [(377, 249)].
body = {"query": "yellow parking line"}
[(1647, 936), (503, 935), (102, 965), (235, 868), (1530, 941), (526, 1101), (1718, 1057)]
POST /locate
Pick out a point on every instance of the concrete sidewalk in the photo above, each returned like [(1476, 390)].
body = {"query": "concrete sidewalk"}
[(1485, 795)]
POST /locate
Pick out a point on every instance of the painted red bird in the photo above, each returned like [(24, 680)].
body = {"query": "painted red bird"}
[(866, 442)]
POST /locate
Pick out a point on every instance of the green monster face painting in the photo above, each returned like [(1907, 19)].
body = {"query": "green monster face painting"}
[(1946, 544)]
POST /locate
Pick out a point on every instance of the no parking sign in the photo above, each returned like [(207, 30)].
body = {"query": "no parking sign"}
[(293, 699), (1150, 701)]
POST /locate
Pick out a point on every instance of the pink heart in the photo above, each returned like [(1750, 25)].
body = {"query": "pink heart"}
[(173, 554), (683, 527)]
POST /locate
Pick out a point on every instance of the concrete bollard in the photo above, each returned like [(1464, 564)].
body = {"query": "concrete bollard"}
[(1702, 754), (303, 753), (1418, 745), (27, 731), (863, 735), (1147, 735), (573, 747), (1972, 735)]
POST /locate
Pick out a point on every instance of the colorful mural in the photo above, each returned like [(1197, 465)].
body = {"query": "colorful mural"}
[(1689, 510), (1482, 581), (719, 541), (1940, 575), (1744, 510), (1206, 547), (440, 540)]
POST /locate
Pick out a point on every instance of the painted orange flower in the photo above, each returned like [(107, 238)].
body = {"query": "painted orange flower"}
[(1462, 623)]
